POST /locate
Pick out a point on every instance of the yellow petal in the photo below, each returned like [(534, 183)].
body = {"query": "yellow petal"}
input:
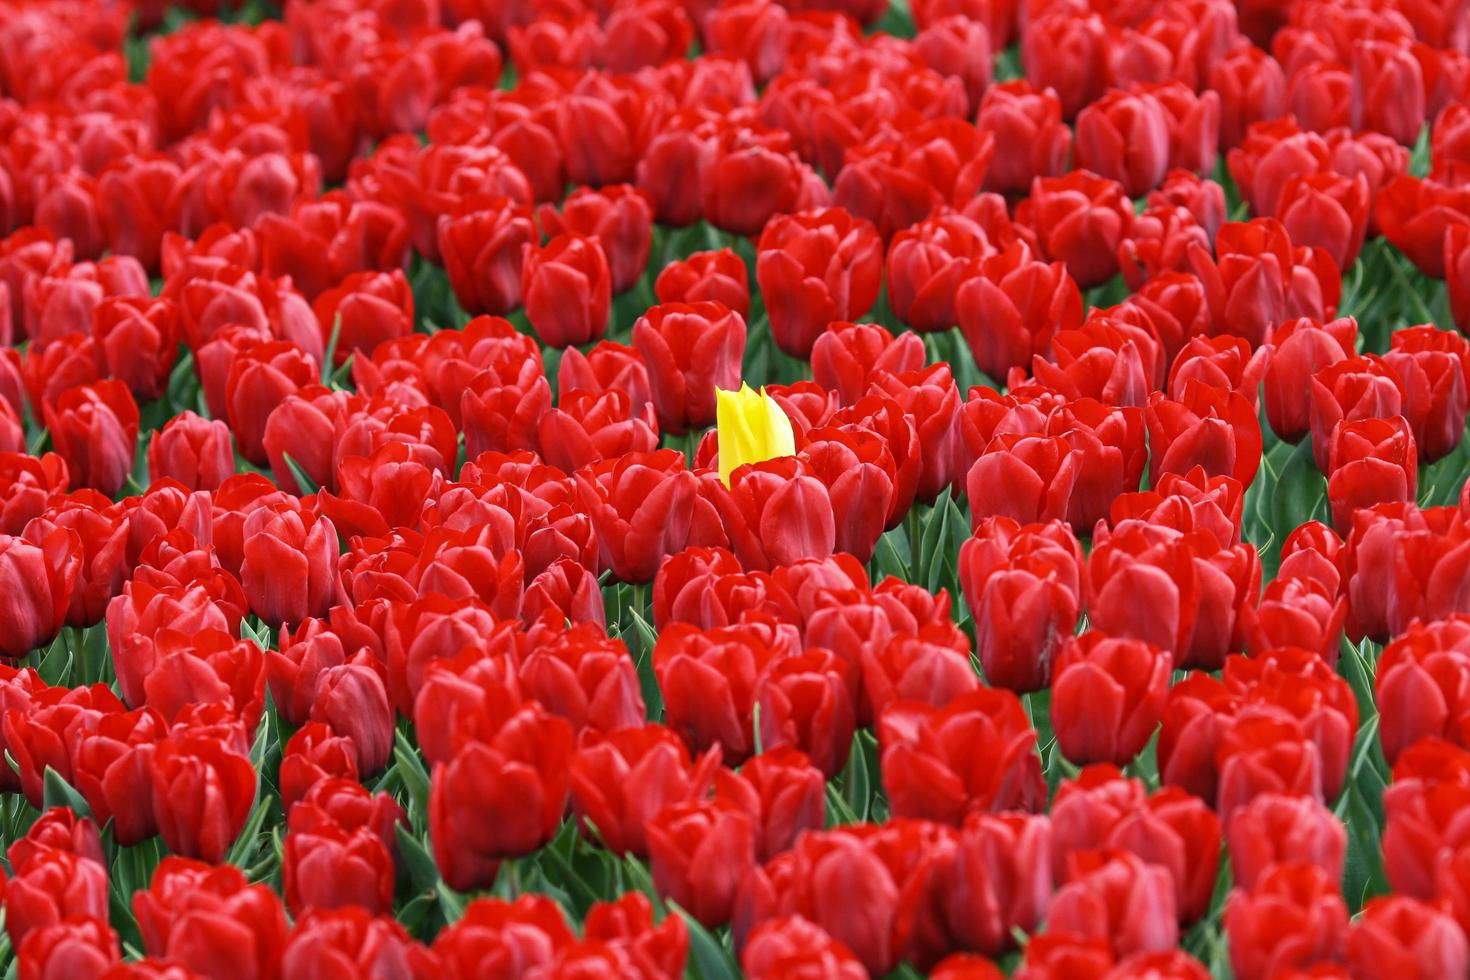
[(752, 428)]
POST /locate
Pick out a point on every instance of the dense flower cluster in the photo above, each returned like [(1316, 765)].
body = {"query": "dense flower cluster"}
[(397, 580)]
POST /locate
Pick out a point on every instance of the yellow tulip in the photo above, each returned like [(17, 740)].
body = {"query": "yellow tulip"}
[(752, 428)]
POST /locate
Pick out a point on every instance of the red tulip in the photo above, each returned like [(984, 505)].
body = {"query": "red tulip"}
[(1252, 87), (1387, 90), (813, 268), (926, 263), (1276, 828), (1124, 136), (1012, 307), (1431, 363), (1370, 461), (699, 854), (39, 581), (1107, 697), (708, 679), (719, 277), (203, 791), (690, 350), (323, 940), (1115, 897), (619, 216), (1023, 586), (77, 946), (482, 243), (793, 946), (1292, 917), (927, 772), (783, 794), (95, 430), (496, 937), (847, 356), (499, 799), (622, 779), (1214, 428), (1398, 936), (1079, 220), (567, 288), (138, 340), (289, 560), (1303, 347), (1329, 211), (208, 920), (1028, 122)]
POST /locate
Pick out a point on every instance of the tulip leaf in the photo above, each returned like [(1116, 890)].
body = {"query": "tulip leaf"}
[(55, 663), (304, 483), (331, 355), (242, 852), (423, 873), (856, 780), (410, 766), (711, 960), (60, 793), (451, 901)]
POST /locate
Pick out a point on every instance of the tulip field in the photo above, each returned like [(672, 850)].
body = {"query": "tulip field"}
[(788, 489)]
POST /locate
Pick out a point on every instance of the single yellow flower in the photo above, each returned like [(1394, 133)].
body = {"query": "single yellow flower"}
[(752, 428)]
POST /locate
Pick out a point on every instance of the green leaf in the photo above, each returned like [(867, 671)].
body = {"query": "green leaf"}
[(423, 873), (331, 354), (451, 901), (856, 780), (710, 959), (55, 665), (242, 852), (306, 484), (410, 766), (58, 792)]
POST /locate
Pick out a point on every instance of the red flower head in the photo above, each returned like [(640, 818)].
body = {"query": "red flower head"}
[(1329, 211), (1291, 918), (1125, 136), (783, 794), (931, 757), (1012, 306), (209, 920), (1107, 697), (501, 798), (1210, 427), (1116, 897), (1387, 92), (1276, 828), (1023, 586), (718, 277), (1063, 51), (927, 262), (1079, 220), (40, 578), (709, 681), (1303, 347), (138, 341), (622, 779), (1370, 461), (1196, 590), (1027, 121), (1401, 930), (700, 853), (568, 289), (619, 216), (689, 350), (817, 267), (646, 507), (482, 244), (1252, 87), (95, 430), (203, 791)]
